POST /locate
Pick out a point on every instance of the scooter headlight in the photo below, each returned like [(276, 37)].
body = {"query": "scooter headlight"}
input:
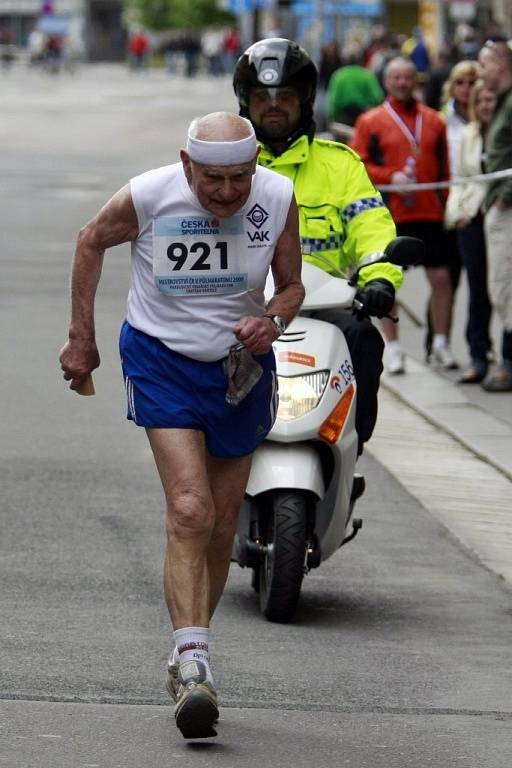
[(299, 395)]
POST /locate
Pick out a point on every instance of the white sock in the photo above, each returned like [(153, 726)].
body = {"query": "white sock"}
[(440, 341), (394, 347), (192, 645)]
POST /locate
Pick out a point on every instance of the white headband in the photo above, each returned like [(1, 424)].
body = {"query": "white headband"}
[(222, 152)]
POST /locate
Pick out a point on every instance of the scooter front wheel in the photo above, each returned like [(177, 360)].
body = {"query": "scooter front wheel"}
[(284, 528)]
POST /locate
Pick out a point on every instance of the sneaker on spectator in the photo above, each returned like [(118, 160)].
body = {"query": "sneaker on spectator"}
[(500, 381), (475, 373), (443, 358), (396, 362)]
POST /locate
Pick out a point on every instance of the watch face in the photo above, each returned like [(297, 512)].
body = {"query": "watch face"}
[(280, 323)]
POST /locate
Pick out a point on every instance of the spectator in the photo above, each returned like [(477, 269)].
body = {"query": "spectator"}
[(402, 141), (330, 61), (455, 104), (352, 89), (446, 60), (7, 49), (416, 49), (465, 42), (36, 44), (172, 51), (53, 53), (231, 49), (138, 49), (379, 38), (381, 58), (191, 47), (463, 211), (496, 62), (455, 96), (211, 46)]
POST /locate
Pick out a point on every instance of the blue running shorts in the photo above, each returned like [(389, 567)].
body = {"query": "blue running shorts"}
[(168, 390)]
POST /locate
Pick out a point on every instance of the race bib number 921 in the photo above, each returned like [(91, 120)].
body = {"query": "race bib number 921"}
[(198, 256)]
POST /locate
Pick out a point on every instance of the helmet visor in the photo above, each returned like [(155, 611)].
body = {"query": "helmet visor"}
[(264, 97)]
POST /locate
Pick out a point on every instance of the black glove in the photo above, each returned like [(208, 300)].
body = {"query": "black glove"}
[(377, 298)]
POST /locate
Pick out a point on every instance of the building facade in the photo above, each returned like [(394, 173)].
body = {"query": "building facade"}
[(94, 27), (312, 22)]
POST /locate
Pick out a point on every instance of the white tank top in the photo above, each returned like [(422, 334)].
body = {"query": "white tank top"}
[(193, 275)]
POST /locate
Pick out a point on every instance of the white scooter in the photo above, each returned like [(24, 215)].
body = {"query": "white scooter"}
[(302, 488)]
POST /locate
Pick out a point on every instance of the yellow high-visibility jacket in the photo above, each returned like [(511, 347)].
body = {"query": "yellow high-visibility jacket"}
[(342, 217)]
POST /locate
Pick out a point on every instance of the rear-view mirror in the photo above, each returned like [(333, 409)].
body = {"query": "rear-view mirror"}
[(405, 251)]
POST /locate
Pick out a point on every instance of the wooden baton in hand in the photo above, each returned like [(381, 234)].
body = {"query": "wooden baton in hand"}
[(87, 386)]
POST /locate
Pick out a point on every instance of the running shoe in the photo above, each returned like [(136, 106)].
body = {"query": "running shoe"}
[(196, 708)]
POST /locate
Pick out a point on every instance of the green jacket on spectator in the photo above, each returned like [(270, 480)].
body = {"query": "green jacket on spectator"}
[(499, 151)]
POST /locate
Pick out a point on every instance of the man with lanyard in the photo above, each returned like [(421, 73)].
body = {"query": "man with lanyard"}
[(400, 142), (197, 357), (342, 218)]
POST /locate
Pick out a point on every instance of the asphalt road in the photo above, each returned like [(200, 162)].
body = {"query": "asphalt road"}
[(400, 654)]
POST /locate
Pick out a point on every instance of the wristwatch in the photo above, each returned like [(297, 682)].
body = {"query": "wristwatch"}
[(278, 322)]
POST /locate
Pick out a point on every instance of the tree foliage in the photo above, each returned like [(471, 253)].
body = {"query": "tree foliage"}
[(160, 15)]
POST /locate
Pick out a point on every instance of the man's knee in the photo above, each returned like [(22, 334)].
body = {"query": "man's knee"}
[(439, 278), (189, 514)]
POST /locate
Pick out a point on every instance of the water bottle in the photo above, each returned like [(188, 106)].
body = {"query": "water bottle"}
[(410, 171)]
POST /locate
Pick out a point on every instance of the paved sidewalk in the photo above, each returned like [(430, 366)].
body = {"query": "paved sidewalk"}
[(448, 407), (453, 456)]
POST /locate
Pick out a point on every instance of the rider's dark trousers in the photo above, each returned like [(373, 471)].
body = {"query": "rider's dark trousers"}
[(366, 348)]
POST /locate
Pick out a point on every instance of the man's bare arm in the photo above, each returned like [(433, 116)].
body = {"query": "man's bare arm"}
[(286, 270), (115, 223)]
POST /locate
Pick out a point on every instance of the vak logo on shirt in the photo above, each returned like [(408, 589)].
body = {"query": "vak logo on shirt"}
[(258, 216)]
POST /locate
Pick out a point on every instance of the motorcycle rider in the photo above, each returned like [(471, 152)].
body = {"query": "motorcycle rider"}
[(343, 220)]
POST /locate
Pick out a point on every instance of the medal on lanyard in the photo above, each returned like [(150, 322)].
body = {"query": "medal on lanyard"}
[(414, 139)]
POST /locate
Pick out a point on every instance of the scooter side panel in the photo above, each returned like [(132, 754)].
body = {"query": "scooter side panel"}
[(333, 509), (275, 465)]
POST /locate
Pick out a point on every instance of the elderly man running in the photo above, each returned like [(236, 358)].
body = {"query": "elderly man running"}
[(196, 351)]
